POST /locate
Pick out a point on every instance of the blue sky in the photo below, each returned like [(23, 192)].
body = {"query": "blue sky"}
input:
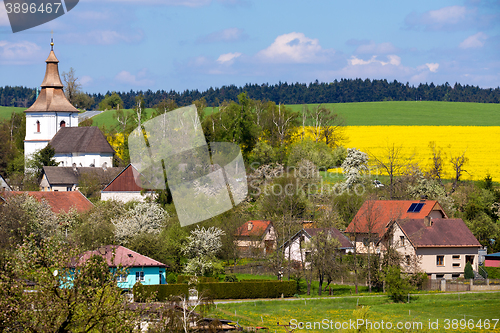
[(119, 45)]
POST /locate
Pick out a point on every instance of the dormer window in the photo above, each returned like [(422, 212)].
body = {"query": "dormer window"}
[(62, 123), (38, 126)]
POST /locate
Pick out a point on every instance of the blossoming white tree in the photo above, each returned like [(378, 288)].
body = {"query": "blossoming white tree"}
[(201, 247), (143, 217), (354, 165)]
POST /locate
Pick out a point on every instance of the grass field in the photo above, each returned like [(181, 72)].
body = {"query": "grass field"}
[(379, 113), (453, 310)]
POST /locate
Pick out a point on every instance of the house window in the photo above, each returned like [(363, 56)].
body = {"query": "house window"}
[(408, 260), (402, 240), (439, 260), (469, 259), (62, 123), (456, 257), (456, 264), (139, 276), (38, 126), (121, 278), (366, 241)]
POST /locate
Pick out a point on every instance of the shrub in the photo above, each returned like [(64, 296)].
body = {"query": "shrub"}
[(468, 272), (171, 278), (231, 278), (397, 287)]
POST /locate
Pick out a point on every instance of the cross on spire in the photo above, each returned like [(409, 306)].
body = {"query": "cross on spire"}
[(52, 40)]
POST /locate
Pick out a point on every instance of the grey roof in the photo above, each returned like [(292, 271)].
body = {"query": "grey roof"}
[(80, 140), (69, 175), (3, 185)]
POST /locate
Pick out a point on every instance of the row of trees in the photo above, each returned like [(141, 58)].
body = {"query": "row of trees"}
[(342, 91)]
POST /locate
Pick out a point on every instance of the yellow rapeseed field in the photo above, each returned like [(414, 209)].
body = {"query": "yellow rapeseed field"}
[(480, 143)]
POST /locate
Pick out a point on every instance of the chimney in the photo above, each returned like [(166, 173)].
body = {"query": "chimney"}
[(427, 221), (250, 225)]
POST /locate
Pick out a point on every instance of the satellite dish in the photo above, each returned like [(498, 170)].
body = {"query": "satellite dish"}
[(55, 272)]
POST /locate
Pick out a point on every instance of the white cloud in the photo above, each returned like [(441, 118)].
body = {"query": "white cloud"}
[(373, 48), (446, 18), (85, 80), (104, 37), (294, 47), (140, 79), (447, 15), (226, 35), (433, 67), (474, 41), (187, 3), (4, 19), (19, 53), (228, 58), (393, 60)]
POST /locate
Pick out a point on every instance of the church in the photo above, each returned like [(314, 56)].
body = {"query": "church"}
[(52, 119)]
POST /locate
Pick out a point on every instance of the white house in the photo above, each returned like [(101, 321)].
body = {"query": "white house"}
[(50, 114), (295, 248), (126, 186)]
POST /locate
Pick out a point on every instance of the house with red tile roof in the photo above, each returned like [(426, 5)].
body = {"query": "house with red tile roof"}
[(139, 268), (295, 248), (374, 216), (58, 201), (439, 247), (126, 186), (256, 238)]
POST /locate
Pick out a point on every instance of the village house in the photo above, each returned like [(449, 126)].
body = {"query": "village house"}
[(296, 248), (126, 187), (374, 216), (255, 238), (439, 247), (139, 268), (56, 178), (492, 260)]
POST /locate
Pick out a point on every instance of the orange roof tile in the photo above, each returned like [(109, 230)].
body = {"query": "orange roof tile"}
[(375, 215), (255, 228), (58, 201)]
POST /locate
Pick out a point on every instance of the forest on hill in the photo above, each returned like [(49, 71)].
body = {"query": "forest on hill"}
[(343, 91)]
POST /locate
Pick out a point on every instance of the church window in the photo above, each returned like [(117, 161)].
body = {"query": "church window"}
[(38, 126), (62, 123)]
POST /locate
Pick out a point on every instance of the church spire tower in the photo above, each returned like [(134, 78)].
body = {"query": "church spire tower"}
[(51, 110)]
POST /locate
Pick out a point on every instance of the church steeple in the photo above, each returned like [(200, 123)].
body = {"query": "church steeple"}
[(51, 97)]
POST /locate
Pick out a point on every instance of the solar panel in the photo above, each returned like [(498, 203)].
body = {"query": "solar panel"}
[(415, 207), (412, 207)]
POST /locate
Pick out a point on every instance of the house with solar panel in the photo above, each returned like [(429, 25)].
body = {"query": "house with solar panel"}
[(420, 231), (373, 218)]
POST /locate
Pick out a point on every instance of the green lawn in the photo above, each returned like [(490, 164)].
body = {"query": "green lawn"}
[(377, 113), (435, 308)]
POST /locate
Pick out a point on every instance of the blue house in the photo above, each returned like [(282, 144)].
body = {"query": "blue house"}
[(137, 266)]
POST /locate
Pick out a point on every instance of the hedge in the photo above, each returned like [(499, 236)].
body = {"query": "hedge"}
[(219, 290)]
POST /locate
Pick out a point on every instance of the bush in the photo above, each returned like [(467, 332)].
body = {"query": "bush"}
[(493, 272), (397, 287), (218, 290), (231, 278), (171, 278), (468, 271)]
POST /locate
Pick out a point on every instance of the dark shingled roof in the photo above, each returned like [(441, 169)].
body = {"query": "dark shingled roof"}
[(441, 233), (80, 140), (51, 97), (333, 232), (69, 175), (121, 256)]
